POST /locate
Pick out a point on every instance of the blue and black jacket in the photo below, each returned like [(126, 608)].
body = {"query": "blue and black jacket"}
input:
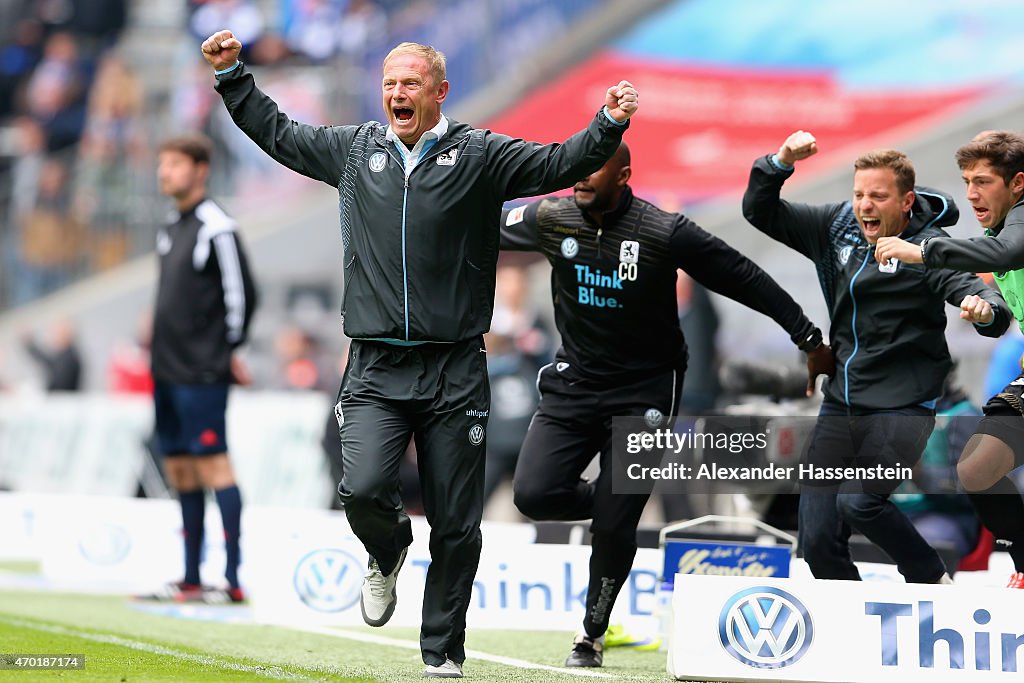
[(887, 323)]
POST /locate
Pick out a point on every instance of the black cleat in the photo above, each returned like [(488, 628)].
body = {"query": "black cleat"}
[(586, 651)]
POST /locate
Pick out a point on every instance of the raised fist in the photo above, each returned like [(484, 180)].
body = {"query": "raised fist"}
[(622, 101), (797, 146), (221, 49)]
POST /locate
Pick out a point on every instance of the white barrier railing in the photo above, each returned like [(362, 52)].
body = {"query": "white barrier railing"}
[(95, 444)]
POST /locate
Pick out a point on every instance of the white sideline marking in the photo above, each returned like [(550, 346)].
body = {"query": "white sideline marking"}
[(475, 654), (268, 671)]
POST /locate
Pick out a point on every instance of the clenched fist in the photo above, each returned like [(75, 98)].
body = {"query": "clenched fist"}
[(622, 101), (221, 49), (797, 146)]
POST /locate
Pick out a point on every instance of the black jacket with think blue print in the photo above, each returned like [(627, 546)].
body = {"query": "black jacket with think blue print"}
[(887, 323)]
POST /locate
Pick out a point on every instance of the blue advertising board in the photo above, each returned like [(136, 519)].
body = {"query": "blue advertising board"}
[(723, 558)]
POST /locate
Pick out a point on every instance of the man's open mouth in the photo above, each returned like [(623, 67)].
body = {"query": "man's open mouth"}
[(403, 113), (871, 223)]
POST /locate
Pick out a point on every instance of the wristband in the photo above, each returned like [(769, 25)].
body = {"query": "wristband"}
[(924, 243), (228, 70), (774, 159), (812, 341), (608, 116)]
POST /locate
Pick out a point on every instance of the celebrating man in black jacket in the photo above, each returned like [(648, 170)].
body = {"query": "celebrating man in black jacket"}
[(888, 323), (614, 259), (420, 204)]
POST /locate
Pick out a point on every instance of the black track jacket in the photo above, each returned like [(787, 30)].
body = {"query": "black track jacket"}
[(420, 252), (888, 322), (205, 297)]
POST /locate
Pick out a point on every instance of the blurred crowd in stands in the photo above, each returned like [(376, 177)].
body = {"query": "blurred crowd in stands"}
[(70, 111), (83, 103)]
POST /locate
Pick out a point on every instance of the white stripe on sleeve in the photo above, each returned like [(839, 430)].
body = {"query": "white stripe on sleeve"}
[(234, 290)]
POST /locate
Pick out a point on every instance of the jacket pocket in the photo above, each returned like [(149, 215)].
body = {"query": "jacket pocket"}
[(477, 286)]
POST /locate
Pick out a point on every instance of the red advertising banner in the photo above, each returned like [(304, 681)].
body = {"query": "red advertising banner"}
[(699, 128)]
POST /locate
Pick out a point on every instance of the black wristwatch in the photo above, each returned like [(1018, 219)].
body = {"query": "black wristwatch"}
[(812, 341)]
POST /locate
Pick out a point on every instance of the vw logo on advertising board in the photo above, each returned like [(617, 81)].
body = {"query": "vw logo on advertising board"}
[(328, 580), (765, 628), (105, 544)]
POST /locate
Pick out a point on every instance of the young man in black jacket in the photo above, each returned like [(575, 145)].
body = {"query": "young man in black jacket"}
[(614, 260), (993, 171), (205, 300), (420, 205), (887, 333)]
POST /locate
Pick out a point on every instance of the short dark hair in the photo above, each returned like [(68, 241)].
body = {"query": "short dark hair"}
[(197, 147), (1002, 149), (896, 161)]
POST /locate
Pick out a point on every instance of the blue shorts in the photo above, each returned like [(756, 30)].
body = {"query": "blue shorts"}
[(190, 418)]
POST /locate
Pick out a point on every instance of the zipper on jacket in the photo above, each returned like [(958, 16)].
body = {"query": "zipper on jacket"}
[(405, 205), (853, 328), (599, 231), (405, 269)]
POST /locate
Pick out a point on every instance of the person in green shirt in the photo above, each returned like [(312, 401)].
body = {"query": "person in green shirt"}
[(992, 165)]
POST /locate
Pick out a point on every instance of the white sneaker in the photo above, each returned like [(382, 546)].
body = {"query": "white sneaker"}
[(377, 597), (447, 670)]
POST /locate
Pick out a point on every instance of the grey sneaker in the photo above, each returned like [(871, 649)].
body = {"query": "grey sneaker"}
[(447, 670), (377, 597)]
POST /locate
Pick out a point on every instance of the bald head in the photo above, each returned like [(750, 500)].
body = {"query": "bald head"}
[(602, 190), (621, 156)]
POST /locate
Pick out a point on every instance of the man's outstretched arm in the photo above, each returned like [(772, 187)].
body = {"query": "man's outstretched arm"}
[(722, 269), (317, 152), (527, 169)]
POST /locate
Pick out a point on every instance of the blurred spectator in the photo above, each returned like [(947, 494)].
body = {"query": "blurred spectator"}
[(60, 360), (513, 377), (96, 23), (699, 322), (312, 28), (112, 158), (128, 371), (297, 364), (54, 95), (944, 515), (270, 50), (50, 238), (243, 16), (516, 319), (363, 21), (18, 58)]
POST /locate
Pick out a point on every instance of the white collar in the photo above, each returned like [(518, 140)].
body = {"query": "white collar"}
[(435, 133)]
